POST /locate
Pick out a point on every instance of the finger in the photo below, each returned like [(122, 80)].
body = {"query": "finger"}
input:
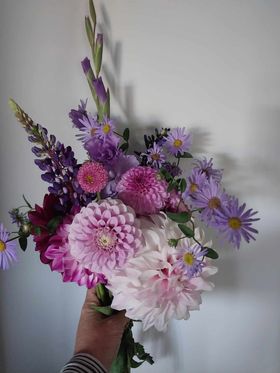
[(120, 319)]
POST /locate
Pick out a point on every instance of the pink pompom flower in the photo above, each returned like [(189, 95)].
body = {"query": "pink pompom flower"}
[(61, 260), (104, 235), (92, 177), (143, 189)]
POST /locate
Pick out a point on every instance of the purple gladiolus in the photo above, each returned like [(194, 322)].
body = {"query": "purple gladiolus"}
[(100, 90), (86, 65)]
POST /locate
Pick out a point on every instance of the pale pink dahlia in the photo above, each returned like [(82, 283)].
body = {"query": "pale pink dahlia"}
[(141, 188), (92, 177), (63, 262), (104, 235), (152, 287)]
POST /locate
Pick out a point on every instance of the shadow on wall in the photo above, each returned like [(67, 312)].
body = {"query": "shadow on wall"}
[(259, 176)]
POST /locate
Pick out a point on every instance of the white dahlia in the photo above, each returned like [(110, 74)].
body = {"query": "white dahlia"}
[(152, 287)]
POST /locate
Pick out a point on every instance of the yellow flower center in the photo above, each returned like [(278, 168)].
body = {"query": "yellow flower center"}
[(105, 241), (214, 203), (189, 258), (193, 187), (177, 143), (89, 179), (234, 223), (2, 246), (155, 157), (106, 128)]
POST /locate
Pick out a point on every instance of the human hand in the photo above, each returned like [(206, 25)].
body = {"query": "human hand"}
[(97, 334)]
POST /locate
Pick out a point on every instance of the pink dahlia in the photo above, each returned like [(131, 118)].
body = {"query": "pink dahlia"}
[(141, 188), (104, 235), (63, 262), (92, 177)]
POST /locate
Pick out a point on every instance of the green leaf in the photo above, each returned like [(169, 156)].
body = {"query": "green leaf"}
[(181, 217), (98, 51), (105, 310), (182, 185), (53, 224), (89, 31), (186, 230), (211, 253), (23, 243), (135, 364), (126, 134), (124, 146), (165, 174), (172, 185), (184, 155), (92, 11)]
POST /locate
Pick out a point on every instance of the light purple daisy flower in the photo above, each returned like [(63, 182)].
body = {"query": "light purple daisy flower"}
[(106, 129), (196, 182), (210, 198), (190, 260), (206, 167), (7, 249), (155, 156), (178, 141), (236, 223), (89, 128)]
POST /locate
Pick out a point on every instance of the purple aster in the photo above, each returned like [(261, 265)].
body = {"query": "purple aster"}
[(106, 129), (210, 198), (77, 115), (235, 222), (178, 141), (155, 156), (89, 126), (196, 182), (7, 249), (190, 260), (206, 167)]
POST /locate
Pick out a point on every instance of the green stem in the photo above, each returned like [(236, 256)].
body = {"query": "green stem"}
[(12, 239)]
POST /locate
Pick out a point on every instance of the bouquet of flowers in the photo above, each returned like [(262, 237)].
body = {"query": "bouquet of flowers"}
[(126, 222)]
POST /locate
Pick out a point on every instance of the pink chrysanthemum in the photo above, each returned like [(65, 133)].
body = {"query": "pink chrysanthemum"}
[(104, 235), (92, 177), (141, 188), (63, 262)]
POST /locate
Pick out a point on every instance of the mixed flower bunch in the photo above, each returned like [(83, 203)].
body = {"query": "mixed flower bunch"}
[(126, 222)]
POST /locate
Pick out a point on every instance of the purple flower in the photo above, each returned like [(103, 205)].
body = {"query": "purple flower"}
[(172, 168), (236, 223), (7, 249), (155, 156), (190, 260), (99, 40), (77, 115), (86, 65), (100, 150), (89, 126), (178, 141), (100, 90), (117, 167), (206, 167), (210, 198), (106, 130), (196, 182)]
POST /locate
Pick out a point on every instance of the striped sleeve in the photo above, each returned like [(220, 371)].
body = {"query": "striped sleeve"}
[(83, 363)]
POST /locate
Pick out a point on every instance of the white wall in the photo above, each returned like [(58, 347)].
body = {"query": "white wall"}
[(210, 65)]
